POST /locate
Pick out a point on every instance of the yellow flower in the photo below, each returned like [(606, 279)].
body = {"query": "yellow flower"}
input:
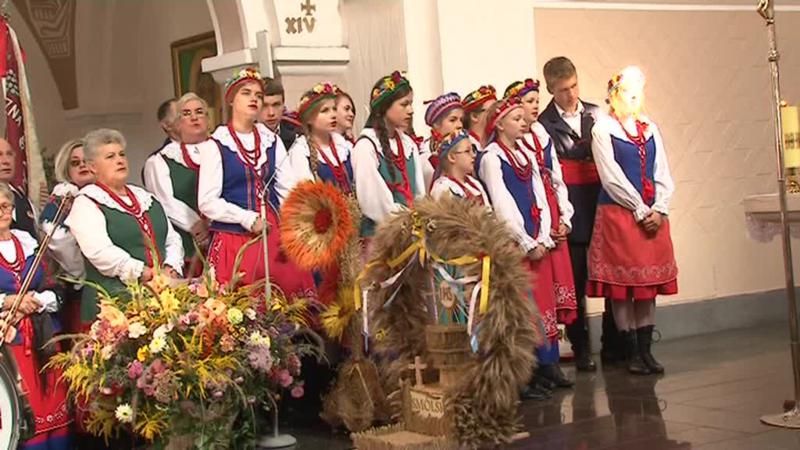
[(141, 354), (235, 316), (115, 318), (169, 302), (390, 85), (159, 283)]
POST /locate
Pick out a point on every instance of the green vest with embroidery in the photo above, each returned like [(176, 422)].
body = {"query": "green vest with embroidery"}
[(124, 232), (368, 225), (184, 188)]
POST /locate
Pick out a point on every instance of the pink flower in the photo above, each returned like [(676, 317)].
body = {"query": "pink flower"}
[(227, 343), (293, 363), (298, 391), (135, 370), (285, 379)]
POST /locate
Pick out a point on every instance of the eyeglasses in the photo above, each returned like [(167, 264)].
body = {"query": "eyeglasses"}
[(6, 208), (187, 113), (77, 162), (470, 151)]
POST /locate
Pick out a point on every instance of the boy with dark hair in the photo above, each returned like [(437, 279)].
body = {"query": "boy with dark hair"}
[(274, 115)]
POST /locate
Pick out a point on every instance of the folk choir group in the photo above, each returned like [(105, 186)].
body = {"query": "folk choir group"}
[(584, 192)]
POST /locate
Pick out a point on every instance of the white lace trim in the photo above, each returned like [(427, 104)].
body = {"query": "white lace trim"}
[(343, 147), (173, 151), (28, 243), (64, 188), (267, 138), (100, 196)]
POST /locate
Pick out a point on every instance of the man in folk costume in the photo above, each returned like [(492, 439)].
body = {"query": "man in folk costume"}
[(538, 143), (251, 162), (274, 115), (171, 175), (569, 121), (631, 259)]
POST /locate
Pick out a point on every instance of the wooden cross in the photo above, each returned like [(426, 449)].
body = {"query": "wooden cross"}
[(418, 367), (308, 7)]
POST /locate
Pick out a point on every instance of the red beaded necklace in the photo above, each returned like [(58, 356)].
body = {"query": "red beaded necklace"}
[(142, 220), (648, 190), (525, 174), (15, 268), (250, 157), (471, 194), (339, 171), (399, 162), (187, 159)]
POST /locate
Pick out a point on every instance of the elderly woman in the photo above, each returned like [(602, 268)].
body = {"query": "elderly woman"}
[(34, 327), (121, 229), (171, 174), (72, 174)]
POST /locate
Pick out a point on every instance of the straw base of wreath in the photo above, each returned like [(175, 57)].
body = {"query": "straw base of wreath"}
[(396, 437)]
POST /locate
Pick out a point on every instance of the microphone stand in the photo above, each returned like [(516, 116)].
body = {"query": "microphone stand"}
[(791, 418), (276, 439)]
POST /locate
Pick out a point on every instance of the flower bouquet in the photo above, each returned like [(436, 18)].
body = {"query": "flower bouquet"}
[(184, 363)]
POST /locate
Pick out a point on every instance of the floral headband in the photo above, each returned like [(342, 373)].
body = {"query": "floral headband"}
[(292, 117), (631, 74), (387, 86), (319, 92), (242, 76), (521, 88), (450, 141), (440, 106), (478, 97), (504, 107)]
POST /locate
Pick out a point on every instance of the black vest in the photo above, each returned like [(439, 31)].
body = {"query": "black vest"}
[(23, 214)]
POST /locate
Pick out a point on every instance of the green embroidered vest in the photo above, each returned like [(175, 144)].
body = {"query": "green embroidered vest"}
[(184, 188), (124, 232), (368, 225)]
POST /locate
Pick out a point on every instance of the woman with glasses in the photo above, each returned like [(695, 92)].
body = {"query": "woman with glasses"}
[(171, 175), (72, 174)]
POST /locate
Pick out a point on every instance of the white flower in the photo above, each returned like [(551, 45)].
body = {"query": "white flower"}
[(257, 339), (235, 316), (136, 330), (106, 352), (162, 330), (250, 313), (124, 413), (157, 345)]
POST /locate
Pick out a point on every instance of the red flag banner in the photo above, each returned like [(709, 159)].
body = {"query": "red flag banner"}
[(15, 122)]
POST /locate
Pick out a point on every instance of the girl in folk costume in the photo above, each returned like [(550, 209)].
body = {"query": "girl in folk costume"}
[(386, 163), (249, 163), (320, 152), (513, 182), (475, 105), (631, 258), (444, 115), (72, 174), (538, 143), (121, 229), (456, 163), (345, 115), (171, 175), (34, 324)]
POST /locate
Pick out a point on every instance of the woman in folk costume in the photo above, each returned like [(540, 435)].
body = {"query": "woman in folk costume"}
[(249, 163), (456, 164), (34, 326), (171, 175), (538, 142), (345, 115), (72, 174), (631, 258), (386, 163), (121, 229), (444, 116), (321, 152), (513, 182), (475, 105)]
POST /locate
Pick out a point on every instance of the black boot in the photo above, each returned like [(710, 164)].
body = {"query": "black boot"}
[(553, 373), (644, 336), (613, 349), (634, 360)]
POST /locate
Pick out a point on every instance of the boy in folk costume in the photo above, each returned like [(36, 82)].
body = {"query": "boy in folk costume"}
[(444, 115), (249, 163), (569, 121), (631, 258), (456, 164), (386, 163), (514, 184), (538, 142)]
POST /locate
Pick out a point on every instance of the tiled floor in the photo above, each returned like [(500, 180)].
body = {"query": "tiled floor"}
[(716, 389)]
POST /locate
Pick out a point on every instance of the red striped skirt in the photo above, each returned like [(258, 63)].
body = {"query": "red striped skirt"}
[(625, 262)]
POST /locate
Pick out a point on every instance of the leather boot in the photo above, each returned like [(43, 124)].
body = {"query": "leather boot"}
[(554, 373), (644, 337), (632, 356)]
